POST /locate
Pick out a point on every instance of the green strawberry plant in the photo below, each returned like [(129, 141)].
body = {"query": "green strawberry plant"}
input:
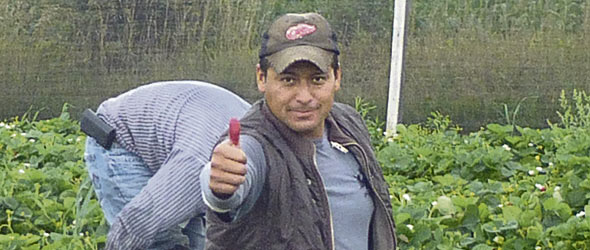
[(502, 187), (46, 199)]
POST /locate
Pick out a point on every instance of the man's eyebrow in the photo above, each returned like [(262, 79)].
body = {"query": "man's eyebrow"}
[(287, 72), (290, 72)]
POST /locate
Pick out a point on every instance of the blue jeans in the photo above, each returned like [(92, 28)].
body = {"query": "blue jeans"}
[(119, 175)]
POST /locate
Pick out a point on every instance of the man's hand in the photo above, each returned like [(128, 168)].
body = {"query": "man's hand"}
[(228, 169)]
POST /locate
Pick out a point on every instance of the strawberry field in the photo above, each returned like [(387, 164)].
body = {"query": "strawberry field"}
[(502, 187), (46, 201)]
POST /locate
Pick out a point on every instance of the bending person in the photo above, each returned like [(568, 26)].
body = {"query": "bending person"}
[(147, 180)]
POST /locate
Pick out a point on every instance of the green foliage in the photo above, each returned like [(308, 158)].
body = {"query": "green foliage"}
[(374, 125), (574, 114), (506, 16), (503, 187), (47, 200), (490, 189)]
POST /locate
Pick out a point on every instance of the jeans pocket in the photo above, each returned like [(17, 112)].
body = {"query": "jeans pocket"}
[(129, 172)]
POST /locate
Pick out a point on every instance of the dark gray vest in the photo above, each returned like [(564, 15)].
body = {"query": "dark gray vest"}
[(292, 211)]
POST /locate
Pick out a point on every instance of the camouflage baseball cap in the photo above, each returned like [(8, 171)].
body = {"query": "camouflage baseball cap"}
[(299, 37)]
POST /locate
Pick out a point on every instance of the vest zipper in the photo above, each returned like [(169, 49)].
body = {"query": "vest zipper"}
[(366, 168), (315, 164)]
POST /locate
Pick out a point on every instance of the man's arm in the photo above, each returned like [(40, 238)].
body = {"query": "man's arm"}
[(240, 201), (171, 196)]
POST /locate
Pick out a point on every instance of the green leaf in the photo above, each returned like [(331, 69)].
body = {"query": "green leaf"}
[(10, 202), (511, 213), (42, 221), (482, 247), (513, 140), (7, 238), (534, 232), (445, 205), (420, 187), (32, 239), (483, 211), (499, 129), (69, 202), (446, 180), (402, 217), (422, 234), (576, 197), (471, 217), (528, 218), (491, 227), (510, 225), (551, 204), (467, 241)]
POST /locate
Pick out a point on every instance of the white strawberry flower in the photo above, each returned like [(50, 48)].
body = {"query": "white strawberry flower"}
[(540, 169), (379, 129), (540, 187), (531, 172), (390, 139), (506, 147), (23, 134), (538, 248), (581, 214), (13, 135), (410, 226), (78, 139), (81, 234), (31, 140), (434, 203), (21, 171), (407, 197), (500, 205), (557, 188), (7, 126), (2, 124), (550, 164), (45, 234), (531, 144), (27, 164)]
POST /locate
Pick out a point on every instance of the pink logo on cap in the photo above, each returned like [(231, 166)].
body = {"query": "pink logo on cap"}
[(299, 31)]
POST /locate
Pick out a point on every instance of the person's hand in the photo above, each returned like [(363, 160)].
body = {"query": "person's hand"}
[(228, 169)]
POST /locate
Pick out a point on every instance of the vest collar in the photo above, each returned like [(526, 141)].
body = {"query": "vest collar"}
[(299, 144)]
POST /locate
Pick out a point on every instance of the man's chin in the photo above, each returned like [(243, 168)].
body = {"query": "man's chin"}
[(304, 128)]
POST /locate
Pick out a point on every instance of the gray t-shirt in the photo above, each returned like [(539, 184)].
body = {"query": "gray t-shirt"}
[(350, 201)]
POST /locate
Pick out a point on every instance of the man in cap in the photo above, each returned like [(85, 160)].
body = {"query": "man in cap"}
[(303, 175)]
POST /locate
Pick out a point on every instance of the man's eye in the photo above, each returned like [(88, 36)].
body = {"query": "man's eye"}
[(319, 79), (288, 80)]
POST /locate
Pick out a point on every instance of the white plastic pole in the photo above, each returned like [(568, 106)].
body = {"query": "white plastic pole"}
[(401, 11)]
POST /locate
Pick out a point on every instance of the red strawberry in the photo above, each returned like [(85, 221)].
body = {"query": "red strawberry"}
[(234, 131)]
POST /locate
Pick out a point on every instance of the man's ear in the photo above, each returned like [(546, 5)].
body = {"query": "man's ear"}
[(260, 79), (338, 78)]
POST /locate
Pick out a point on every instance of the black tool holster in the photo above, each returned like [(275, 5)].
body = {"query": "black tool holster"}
[(96, 128)]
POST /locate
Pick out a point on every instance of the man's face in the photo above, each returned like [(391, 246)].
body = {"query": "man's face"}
[(301, 96)]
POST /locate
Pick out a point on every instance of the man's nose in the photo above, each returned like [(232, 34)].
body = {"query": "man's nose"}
[(304, 94)]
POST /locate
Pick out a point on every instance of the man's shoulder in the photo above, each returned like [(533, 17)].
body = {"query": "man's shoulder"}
[(343, 110)]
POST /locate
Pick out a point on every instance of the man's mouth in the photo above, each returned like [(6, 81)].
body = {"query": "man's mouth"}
[(302, 111)]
